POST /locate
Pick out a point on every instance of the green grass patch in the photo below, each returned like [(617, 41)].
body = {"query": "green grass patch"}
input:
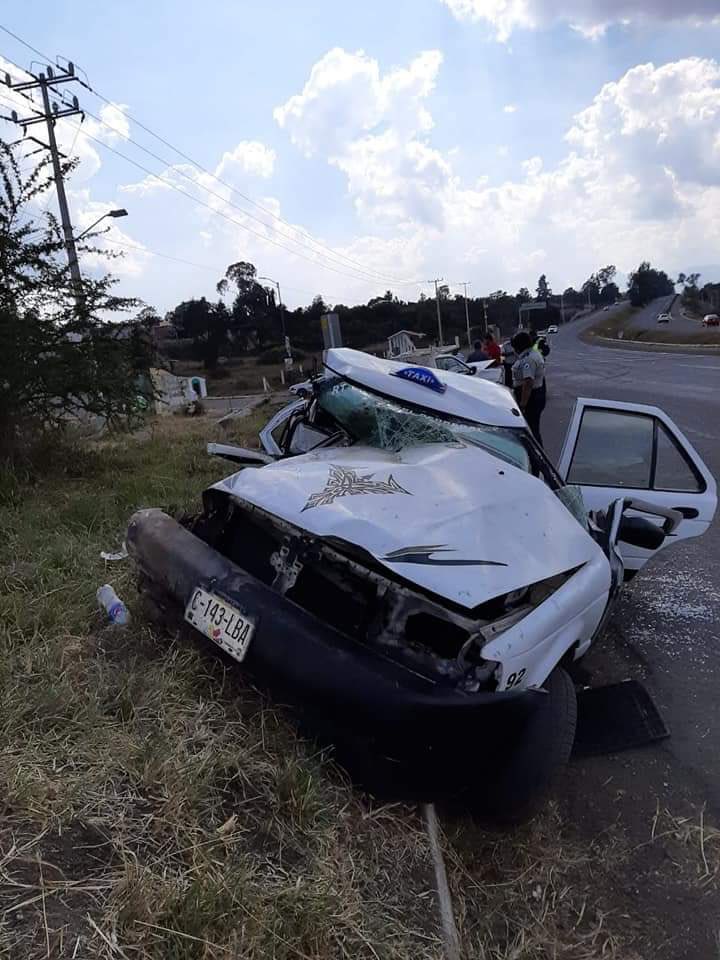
[(154, 806)]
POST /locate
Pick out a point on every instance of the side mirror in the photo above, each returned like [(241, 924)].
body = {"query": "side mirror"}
[(639, 532)]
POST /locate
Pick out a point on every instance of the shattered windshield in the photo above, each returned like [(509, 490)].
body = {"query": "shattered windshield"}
[(378, 421)]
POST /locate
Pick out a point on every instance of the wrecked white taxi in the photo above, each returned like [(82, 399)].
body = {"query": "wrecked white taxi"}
[(407, 564)]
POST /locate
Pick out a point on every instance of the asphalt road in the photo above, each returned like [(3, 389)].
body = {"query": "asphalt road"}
[(646, 317), (665, 630)]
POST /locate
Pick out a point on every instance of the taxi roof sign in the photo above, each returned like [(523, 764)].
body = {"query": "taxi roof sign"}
[(422, 376)]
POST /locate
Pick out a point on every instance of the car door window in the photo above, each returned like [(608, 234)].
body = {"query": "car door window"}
[(304, 437), (450, 363), (614, 448), (672, 470)]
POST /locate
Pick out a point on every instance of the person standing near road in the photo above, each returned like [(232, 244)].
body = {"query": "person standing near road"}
[(491, 347), (528, 374), (477, 353)]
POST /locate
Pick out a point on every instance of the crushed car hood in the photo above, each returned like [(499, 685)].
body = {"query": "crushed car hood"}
[(457, 521)]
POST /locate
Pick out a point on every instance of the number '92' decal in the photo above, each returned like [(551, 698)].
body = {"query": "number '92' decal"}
[(515, 679)]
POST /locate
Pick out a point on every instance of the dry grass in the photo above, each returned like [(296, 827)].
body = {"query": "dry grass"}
[(155, 806)]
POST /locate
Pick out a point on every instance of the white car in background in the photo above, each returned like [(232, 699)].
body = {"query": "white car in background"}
[(485, 369), (406, 564), (552, 328)]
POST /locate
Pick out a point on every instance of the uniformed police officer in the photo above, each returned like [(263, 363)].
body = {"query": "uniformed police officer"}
[(529, 381)]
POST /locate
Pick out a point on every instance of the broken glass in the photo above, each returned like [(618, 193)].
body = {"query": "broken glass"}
[(379, 421)]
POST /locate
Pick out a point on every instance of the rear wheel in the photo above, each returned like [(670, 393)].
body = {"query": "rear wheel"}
[(517, 790)]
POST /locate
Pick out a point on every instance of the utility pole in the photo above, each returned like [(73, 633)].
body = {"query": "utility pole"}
[(50, 115), (281, 307), (436, 281), (466, 284), (485, 316)]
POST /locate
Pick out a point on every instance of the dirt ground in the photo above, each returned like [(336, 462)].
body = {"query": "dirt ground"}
[(154, 804), (239, 375)]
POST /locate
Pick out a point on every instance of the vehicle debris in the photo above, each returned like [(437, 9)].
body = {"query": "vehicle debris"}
[(121, 554), (410, 568)]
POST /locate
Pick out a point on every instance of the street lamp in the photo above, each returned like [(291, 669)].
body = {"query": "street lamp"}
[(121, 212), (280, 304)]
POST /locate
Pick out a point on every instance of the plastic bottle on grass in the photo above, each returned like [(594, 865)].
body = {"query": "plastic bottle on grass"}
[(112, 604)]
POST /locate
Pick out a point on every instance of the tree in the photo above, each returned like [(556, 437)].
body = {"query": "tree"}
[(254, 316), (573, 298), (591, 289), (242, 274), (147, 317), (62, 356), (543, 289), (606, 275), (206, 324), (646, 283), (523, 295), (691, 292)]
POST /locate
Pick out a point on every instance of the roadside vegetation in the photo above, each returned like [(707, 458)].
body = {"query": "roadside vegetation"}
[(155, 805), (617, 325)]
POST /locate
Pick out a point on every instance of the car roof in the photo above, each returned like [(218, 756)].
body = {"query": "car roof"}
[(469, 398)]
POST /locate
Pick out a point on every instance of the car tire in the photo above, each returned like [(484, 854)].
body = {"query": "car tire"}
[(516, 793)]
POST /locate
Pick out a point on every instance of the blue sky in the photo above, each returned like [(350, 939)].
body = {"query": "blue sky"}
[(431, 141)]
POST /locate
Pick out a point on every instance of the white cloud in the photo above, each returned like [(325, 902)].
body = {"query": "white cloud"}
[(116, 123), (510, 108), (249, 157), (128, 256), (346, 97), (589, 17), (640, 178), (374, 128)]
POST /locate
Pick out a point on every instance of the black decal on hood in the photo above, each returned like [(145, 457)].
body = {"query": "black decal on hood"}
[(346, 483), (423, 555)]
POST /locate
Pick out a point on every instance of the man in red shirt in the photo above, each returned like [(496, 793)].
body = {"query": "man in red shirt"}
[(491, 347)]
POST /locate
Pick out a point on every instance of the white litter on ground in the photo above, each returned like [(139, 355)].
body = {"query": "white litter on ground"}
[(669, 610)]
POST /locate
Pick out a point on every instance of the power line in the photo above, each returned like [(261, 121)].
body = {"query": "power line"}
[(220, 213), (385, 278), (365, 273), (338, 257), (23, 42), (365, 276), (200, 266)]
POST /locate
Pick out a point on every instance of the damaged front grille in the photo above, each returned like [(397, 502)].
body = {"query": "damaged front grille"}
[(346, 588)]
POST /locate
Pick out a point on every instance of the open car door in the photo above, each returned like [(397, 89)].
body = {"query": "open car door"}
[(634, 450)]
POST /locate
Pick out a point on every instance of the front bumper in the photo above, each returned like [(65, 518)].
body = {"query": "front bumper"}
[(344, 687)]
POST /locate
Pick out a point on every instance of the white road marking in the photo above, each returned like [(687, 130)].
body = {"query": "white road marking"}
[(693, 366)]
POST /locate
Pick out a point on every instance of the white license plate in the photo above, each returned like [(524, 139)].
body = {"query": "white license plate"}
[(219, 620)]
